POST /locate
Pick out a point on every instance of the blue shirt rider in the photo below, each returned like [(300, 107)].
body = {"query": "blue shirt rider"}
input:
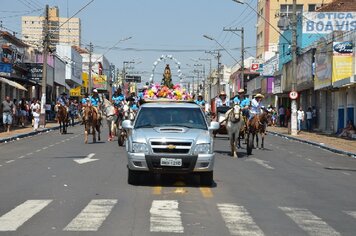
[(63, 100), (94, 99), (117, 98), (200, 101), (243, 101), (84, 100)]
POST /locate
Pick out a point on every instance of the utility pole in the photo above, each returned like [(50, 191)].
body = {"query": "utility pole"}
[(219, 65), (242, 54), (44, 69), (90, 68), (294, 130)]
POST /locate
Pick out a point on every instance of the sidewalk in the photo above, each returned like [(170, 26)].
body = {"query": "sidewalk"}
[(20, 132), (325, 141)]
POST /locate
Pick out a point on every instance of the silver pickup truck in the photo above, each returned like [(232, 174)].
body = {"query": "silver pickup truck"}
[(170, 137)]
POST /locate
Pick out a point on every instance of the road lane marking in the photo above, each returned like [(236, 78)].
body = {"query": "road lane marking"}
[(22, 213), (290, 152), (206, 192), (38, 150), (238, 220), (165, 217), (345, 173), (298, 155), (44, 148), (157, 190), (351, 213), (309, 222), (20, 157), (0, 165), (319, 163), (30, 153), (261, 162), (92, 216), (86, 159), (52, 145), (309, 159), (9, 161)]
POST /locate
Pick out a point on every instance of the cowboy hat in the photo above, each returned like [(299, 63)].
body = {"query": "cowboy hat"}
[(200, 95), (222, 93), (241, 91), (95, 90), (259, 96)]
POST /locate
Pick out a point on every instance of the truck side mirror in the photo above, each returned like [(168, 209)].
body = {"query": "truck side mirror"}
[(127, 124), (214, 125)]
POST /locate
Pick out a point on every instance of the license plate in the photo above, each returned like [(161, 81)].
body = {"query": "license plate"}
[(171, 162)]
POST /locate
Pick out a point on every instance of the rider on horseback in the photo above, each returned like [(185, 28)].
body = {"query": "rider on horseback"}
[(118, 98), (256, 105), (62, 101), (200, 101), (243, 101), (96, 102)]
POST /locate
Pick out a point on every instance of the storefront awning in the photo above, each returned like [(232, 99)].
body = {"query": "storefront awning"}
[(12, 83)]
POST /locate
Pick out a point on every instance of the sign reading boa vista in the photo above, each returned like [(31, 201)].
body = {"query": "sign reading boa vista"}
[(327, 22)]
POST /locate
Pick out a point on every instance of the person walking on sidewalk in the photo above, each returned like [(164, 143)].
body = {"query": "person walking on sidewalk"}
[(7, 113), (36, 119), (300, 117), (23, 111), (309, 114), (282, 113)]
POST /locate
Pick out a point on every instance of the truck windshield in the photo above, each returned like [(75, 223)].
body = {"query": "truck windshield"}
[(178, 116)]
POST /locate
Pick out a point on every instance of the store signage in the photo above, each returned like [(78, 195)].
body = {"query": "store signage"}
[(327, 22), (133, 78), (5, 67), (34, 71), (343, 47)]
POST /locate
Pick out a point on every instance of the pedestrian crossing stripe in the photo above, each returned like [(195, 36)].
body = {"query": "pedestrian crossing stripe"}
[(351, 213), (238, 220), (166, 217), (92, 216), (309, 222), (12, 220)]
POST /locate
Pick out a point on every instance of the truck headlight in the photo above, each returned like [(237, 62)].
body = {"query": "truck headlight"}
[(202, 149), (139, 148)]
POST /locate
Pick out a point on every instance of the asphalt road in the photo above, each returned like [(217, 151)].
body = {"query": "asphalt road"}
[(54, 184)]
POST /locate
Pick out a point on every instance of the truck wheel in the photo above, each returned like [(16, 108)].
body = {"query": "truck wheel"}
[(133, 177), (206, 178)]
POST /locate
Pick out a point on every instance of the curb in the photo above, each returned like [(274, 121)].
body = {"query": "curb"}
[(350, 154), (32, 133)]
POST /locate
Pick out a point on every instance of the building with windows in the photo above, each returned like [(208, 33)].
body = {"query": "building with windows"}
[(268, 20), (62, 30)]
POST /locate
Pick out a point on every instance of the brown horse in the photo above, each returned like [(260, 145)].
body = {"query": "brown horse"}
[(257, 125), (91, 120), (62, 117)]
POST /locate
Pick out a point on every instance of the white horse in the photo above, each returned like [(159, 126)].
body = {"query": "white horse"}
[(235, 123), (111, 117)]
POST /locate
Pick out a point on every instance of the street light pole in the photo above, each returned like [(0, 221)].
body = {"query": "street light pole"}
[(294, 128), (90, 84)]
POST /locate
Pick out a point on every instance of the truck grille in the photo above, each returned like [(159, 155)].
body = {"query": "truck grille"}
[(171, 147)]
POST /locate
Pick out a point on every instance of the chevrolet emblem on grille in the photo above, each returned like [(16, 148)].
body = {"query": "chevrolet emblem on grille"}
[(171, 146)]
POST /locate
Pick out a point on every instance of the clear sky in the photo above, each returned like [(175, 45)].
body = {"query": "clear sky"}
[(157, 27)]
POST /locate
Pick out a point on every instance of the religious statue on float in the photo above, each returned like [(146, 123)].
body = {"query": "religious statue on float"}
[(167, 77)]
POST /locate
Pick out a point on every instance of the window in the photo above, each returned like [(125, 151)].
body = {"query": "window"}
[(287, 9), (311, 7), (177, 116)]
